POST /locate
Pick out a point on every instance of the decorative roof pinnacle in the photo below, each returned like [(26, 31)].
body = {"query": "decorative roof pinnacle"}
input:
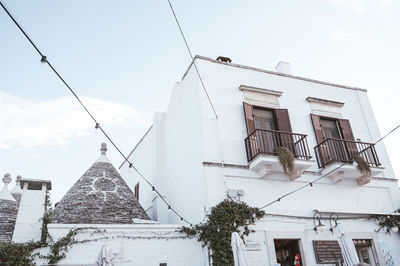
[(4, 192), (7, 179), (103, 149)]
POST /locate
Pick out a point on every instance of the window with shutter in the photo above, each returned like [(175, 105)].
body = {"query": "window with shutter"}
[(262, 126), (334, 149)]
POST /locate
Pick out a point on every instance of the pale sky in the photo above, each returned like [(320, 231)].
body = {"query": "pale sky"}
[(123, 58)]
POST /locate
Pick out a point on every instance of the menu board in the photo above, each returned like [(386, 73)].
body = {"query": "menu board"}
[(327, 251)]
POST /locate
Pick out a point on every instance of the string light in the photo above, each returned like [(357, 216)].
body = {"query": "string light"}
[(98, 126), (43, 60)]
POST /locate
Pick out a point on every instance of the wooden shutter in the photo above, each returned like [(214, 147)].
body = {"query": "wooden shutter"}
[(283, 123), (347, 134), (345, 127), (283, 120), (249, 116), (317, 128)]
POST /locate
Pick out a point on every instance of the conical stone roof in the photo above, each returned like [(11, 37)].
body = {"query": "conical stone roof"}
[(100, 196), (8, 211)]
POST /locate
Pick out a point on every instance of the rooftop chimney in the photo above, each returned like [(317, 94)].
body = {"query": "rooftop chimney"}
[(283, 67)]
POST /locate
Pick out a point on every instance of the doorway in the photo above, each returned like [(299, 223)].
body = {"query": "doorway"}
[(365, 251), (288, 252)]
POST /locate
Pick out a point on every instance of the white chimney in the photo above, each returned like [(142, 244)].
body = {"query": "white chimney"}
[(283, 67), (31, 210)]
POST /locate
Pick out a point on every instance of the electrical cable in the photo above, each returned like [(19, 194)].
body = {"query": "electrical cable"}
[(191, 56), (45, 60), (302, 187), (97, 124)]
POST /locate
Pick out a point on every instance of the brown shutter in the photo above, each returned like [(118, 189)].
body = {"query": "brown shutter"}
[(317, 128), (345, 127), (283, 123), (347, 134), (249, 116), (282, 120)]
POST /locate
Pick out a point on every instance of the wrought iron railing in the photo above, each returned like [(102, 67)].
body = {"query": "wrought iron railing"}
[(266, 142), (340, 150)]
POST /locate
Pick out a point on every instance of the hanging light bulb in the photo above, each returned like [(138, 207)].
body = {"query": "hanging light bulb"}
[(96, 129), (43, 60)]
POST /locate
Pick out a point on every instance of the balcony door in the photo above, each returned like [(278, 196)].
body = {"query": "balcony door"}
[(267, 129), (264, 120), (329, 133), (330, 129)]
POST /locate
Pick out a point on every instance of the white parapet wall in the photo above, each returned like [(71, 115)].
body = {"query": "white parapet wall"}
[(130, 244)]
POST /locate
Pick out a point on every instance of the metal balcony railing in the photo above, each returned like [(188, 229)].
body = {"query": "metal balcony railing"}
[(340, 150), (266, 142)]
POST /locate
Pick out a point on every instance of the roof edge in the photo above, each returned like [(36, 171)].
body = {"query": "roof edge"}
[(270, 72)]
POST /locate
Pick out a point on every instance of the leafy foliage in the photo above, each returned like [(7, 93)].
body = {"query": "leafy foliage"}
[(362, 165), (286, 159), (58, 249), (387, 221), (22, 254), (48, 210), (19, 254), (224, 219)]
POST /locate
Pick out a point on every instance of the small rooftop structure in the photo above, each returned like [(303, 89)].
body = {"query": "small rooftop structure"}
[(100, 196)]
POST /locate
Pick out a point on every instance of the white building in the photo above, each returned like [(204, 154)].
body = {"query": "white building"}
[(196, 160)]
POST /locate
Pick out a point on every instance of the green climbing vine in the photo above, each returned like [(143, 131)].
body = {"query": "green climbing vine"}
[(286, 159), (387, 222), (48, 210), (22, 254), (59, 249), (224, 219)]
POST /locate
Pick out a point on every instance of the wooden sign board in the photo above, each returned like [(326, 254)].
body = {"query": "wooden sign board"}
[(327, 251)]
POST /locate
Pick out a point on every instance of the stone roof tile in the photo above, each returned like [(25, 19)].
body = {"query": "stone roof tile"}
[(100, 196)]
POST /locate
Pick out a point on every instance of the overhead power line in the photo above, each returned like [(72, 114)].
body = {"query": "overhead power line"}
[(44, 59), (97, 125), (191, 56)]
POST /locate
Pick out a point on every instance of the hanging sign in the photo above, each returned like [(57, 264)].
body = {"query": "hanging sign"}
[(327, 251)]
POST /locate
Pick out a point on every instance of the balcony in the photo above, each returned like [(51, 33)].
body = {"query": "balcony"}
[(261, 151), (331, 153)]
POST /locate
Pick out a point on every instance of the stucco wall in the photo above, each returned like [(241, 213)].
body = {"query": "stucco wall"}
[(161, 247), (143, 158)]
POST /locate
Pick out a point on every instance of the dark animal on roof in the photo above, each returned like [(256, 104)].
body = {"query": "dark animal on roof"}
[(224, 59)]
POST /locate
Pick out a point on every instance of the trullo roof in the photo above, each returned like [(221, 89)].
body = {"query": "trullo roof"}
[(100, 196)]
